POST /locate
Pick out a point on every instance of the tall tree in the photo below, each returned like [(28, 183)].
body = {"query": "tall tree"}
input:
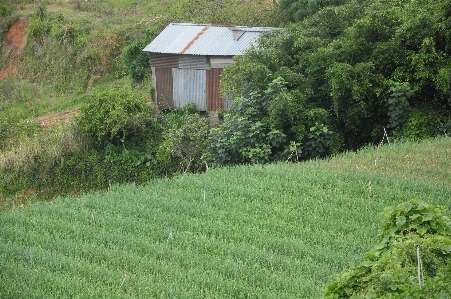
[(298, 10)]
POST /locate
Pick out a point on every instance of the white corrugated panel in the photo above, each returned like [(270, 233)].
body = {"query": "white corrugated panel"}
[(221, 62), (189, 87)]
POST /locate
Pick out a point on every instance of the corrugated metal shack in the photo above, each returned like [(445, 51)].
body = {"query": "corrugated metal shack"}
[(187, 61)]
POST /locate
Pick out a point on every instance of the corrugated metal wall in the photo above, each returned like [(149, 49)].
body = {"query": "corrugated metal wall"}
[(163, 88), (214, 101), (189, 87), (220, 62), (164, 60), (196, 62), (176, 87)]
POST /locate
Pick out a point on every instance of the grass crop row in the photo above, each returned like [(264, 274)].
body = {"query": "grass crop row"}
[(273, 231)]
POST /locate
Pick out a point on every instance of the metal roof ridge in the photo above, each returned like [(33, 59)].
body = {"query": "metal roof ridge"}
[(189, 24), (194, 40), (231, 27)]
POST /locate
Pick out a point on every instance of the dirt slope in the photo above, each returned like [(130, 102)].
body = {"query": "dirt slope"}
[(57, 118), (15, 40)]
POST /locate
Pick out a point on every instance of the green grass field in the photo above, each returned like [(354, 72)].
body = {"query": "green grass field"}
[(273, 231)]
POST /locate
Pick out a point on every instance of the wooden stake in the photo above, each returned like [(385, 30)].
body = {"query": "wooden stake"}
[(205, 194), (419, 265)]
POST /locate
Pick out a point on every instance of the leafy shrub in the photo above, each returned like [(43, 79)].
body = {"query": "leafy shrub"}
[(390, 269), (68, 162), (117, 115), (39, 26), (318, 141), (136, 60), (129, 164), (69, 33), (398, 105), (262, 127), (185, 143), (426, 123), (443, 82), (298, 10), (354, 100), (244, 136), (38, 29), (414, 217)]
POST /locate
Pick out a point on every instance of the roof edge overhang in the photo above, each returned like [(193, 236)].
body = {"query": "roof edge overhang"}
[(205, 39)]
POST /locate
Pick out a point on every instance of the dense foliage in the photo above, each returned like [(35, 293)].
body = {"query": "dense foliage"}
[(185, 144), (357, 67), (117, 115), (298, 10), (226, 12), (117, 138), (136, 60), (391, 269)]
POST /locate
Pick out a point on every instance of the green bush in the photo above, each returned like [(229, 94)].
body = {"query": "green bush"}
[(118, 115), (425, 123), (69, 33), (245, 136), (263, 127), (398, 105), (127, 132), (39, 26), (136, 60), (135, 164), (390, 269), (298, 10), (185, 140), (113, 141)]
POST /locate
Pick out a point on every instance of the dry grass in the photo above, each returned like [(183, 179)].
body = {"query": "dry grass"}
[(59, 141), (430, 161)]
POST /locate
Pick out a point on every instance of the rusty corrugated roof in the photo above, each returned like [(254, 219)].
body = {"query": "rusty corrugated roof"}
[(201, 39)]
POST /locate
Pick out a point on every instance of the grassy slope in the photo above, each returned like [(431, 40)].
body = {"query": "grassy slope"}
[(104, 19), (275, 231), (111, 26)]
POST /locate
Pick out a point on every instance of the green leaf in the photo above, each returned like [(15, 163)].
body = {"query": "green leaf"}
[(400, 221)]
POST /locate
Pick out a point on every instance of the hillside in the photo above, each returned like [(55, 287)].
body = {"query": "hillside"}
[(32, 66), (56, 57), (273, 231), (54, 52), (109, 205)]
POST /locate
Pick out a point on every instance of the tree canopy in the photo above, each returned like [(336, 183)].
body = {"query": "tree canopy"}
[(335, 80)]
